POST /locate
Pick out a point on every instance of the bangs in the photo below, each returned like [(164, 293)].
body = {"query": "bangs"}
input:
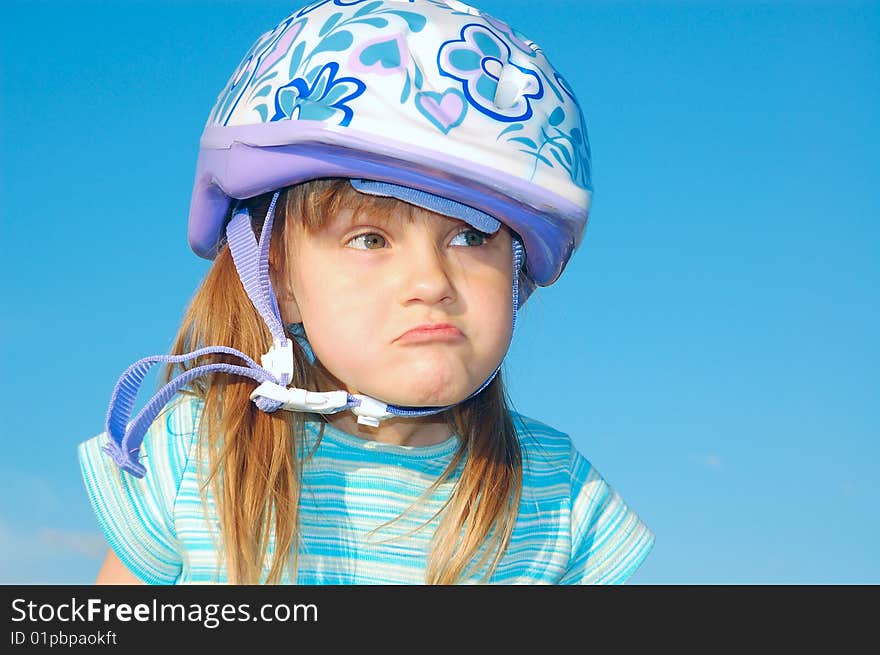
[(316, 203)]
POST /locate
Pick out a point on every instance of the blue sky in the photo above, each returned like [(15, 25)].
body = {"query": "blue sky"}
[(708, 347)]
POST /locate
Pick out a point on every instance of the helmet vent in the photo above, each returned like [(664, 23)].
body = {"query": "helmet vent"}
[(460, 6)]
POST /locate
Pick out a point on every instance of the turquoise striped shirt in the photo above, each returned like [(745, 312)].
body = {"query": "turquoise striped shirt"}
[(572, 526)]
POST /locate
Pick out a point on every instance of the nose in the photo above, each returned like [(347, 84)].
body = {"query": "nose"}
[(426, 273)]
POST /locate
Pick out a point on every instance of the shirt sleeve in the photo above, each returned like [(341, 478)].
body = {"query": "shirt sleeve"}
[(136, 515), (609, 540)]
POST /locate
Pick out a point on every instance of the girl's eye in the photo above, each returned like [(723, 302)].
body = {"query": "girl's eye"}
[(374, 241), (368, 241), (471, 238)]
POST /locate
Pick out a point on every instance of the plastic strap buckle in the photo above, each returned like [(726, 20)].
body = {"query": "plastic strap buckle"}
[(370, 411), (302, 400)]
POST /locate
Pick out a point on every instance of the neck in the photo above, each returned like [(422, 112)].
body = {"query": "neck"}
[(400, 431)]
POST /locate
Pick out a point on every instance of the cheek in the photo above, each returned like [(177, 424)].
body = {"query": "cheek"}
[(492, 313), (352, 349), (503, 312), (344, 325)]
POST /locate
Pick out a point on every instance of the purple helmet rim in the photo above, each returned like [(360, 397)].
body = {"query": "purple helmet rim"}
[(246, 161)]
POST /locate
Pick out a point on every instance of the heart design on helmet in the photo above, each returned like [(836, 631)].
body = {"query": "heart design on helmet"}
[(384, 56), (445, 110)]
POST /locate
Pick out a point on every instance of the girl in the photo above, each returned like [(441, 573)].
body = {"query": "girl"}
[(381, 185)]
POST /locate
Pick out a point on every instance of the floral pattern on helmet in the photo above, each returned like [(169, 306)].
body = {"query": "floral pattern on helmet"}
[(319, 99), (435, 73), (477, 59)]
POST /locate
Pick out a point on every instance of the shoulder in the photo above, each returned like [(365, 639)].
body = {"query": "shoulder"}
[(552, 467), (545, 449), (137, 515)]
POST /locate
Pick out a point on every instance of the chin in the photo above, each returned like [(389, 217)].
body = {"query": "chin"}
[(422, 399), (435, 395)]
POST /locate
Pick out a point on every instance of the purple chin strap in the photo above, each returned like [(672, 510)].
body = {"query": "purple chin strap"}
[(252, 262)]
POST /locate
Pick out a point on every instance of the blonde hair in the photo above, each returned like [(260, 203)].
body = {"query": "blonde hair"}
[(253, 463)]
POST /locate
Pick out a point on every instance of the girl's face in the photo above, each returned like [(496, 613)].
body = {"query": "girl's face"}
[(365, 280)]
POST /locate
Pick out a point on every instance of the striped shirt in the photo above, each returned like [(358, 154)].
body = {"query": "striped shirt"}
[(572, 527)]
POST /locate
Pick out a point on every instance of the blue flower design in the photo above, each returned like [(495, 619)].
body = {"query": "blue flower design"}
[(319, 100), (476, 61)]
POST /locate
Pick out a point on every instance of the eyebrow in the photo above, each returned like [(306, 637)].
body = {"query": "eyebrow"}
[(376, 215)]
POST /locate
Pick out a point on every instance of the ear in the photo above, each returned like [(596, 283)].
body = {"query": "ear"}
[(283, 289), (287, 306)]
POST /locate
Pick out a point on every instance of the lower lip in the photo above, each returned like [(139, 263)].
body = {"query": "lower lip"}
[(440, 334)]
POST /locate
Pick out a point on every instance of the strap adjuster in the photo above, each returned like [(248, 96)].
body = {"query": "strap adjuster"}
[(279, 360)]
